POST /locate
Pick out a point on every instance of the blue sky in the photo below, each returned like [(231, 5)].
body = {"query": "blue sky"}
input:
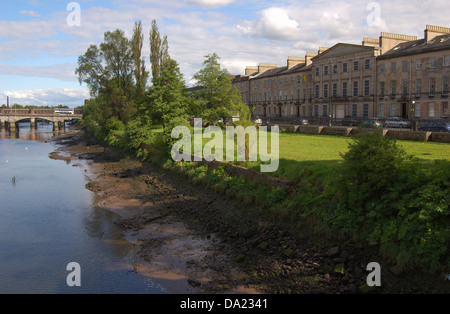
[(39, 50)]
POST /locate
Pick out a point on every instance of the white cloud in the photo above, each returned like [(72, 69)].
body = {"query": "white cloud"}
[(49, 97), (274, 24), (211, 3), (63, 72), (30, 13)]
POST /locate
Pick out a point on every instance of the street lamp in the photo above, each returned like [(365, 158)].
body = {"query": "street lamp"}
[(412, 115)]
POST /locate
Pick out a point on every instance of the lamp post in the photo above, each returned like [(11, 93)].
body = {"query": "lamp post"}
[(412, 115)]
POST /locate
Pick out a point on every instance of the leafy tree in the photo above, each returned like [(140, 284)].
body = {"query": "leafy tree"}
[(118, 56), (217, 96), (140, 73), (108, 71), (159, 52), (168, 99), (90, 69)]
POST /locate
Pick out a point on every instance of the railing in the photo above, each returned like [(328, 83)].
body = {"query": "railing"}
[(12, 111)]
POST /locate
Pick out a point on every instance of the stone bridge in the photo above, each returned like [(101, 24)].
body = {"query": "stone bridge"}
[(10, 118)]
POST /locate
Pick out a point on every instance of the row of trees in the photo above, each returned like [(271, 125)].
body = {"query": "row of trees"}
[(121, 98)]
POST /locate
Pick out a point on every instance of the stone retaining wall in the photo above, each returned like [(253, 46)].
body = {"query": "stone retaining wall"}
[(442, 137)]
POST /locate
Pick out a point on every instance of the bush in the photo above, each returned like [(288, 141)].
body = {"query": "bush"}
[(138, 133), (167, 134), (385, 197)]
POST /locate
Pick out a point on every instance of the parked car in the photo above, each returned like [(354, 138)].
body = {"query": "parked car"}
[(257, 120), (371, 123), (349, 122), (396, 122), (436, 127), (299, 121)]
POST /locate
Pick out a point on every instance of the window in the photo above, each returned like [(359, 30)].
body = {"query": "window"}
[(381, 110), (393, 67), (432, 86), (355, 66), (317, 91), (417, 110), (382, 68), (334, 68), (366, 88), (431, 110), (355, 89), (317, 71), (392, 111), (432, 62), (446, 61), (344, 89), (404, 88), (366, 110), (334, 90), (405, 66), (316, 110), (418, 87), (344, 67), (445, 86), (382, 89), (445, 109), (393, 88), (325, 91), (367, 64), (354, 110), (419, 64), (325, 70), (325, 110)]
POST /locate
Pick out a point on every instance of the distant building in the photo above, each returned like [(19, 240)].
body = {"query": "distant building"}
[(413, 77), (393, 75)]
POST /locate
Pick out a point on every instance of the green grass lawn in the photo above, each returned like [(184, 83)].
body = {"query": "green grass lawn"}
[(316, 156)]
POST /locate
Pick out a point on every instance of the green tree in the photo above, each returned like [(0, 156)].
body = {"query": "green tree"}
[(140, 73), (109, 72), (218, 98), (159, 52), (118, 56), (90, 70), (168, 99)]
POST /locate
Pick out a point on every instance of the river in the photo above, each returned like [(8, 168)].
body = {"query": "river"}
[(47, 221)]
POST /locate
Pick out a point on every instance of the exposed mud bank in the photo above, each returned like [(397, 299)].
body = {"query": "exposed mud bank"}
[(193, 240)]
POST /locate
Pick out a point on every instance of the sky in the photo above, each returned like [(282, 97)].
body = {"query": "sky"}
[(41, 40)]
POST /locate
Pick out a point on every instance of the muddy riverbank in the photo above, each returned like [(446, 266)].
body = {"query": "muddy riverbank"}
[(192, 240)]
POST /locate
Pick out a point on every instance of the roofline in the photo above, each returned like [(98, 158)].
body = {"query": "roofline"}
[(343, 44)]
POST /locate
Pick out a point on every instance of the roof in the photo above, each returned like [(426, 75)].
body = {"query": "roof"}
[(283, 71), (417, 47), (341, 49)]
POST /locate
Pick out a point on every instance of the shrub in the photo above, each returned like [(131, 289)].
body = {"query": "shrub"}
[(385, 197), (138, 133)]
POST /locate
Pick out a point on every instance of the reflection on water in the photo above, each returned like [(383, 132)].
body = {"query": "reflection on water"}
[(47, 221)]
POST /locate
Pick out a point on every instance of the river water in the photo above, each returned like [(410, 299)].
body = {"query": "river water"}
[(47, 221)]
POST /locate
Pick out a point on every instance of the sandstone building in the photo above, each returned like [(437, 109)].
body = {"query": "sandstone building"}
[(393, 75)]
